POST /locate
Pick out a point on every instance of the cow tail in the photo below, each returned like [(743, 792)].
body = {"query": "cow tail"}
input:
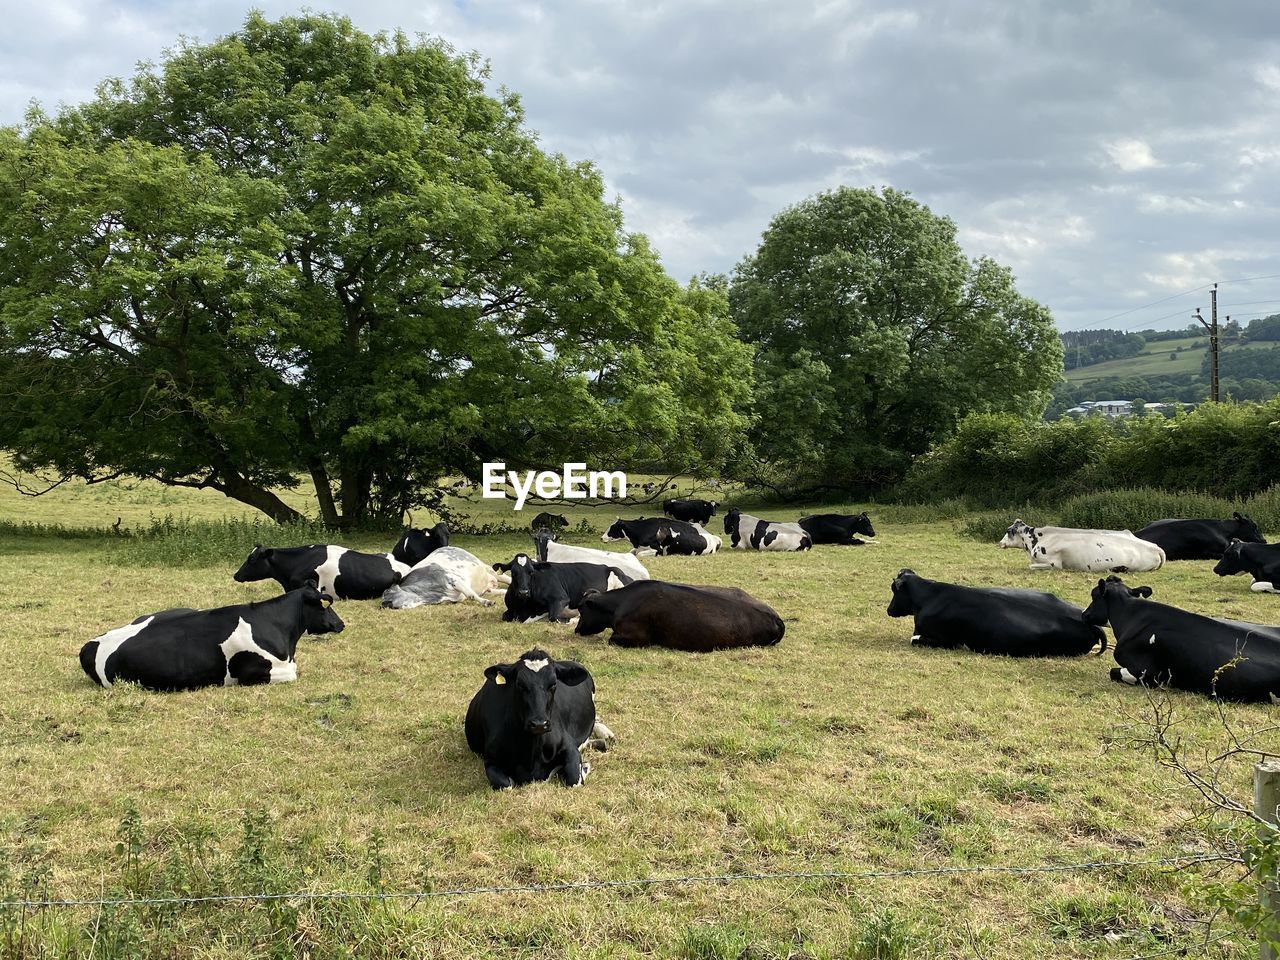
[(625, 577), (1102, 640)]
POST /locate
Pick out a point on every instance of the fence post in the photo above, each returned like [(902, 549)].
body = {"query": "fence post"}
[(1266, 798)]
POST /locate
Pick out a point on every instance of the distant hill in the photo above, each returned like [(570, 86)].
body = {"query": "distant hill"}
[(1168, 365)]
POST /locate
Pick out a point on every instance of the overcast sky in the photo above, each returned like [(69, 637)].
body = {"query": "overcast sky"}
[(1112, 153)]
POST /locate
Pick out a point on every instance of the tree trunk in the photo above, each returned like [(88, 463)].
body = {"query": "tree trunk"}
[(238, 488), (324, 494)]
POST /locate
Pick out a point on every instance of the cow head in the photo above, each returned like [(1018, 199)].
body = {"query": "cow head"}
[(257, 566), (541, 537), (520, 569), (616, 531), (318, 615), (731, 520), (714, 504), (1246, 529), (1018, 535), (414, 545), (862, 525), (532, 682), (902, 605), (594, 615), (1232, 561), (1107, 592)]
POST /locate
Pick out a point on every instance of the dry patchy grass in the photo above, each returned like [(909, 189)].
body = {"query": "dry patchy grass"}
[(841, 749)]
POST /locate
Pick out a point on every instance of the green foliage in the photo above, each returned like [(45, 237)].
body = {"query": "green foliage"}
[(304, 251), (882, 936), (1227, 450), (1083, 348), (874, 336)]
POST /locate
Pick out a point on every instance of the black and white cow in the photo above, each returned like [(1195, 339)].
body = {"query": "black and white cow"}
[(692, 511), (340, 572), (540, 589), (530, 720), (842, 529), (680, 616), (555, 522), (240, 645), (664, 536), (998, 620), (1162, 646), (1260, 560), (549, 550), (746, 532), (1200, 539), (414, 546), (449, 575)]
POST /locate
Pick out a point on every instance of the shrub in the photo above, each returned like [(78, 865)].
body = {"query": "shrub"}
[(1227, 450)]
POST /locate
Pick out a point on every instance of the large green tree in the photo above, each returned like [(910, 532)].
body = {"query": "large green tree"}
[(875, 335), (305, 251)]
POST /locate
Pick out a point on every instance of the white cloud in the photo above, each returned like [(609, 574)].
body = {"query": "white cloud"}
[(1131, 155)]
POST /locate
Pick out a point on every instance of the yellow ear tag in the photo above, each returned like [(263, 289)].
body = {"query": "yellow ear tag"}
[(499, 678), (326, 602)]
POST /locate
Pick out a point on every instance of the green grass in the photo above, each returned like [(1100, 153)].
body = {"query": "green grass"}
[(841, 749), (1154, 360)]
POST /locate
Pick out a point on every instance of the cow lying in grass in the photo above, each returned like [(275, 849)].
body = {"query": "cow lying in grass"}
[(746, 532), (448, 575), (240, 645), (1259, 560), (680, 616), (342, 573), (530, 720), (552, 590), (1067, 548), (1162, 646), (999, 620)]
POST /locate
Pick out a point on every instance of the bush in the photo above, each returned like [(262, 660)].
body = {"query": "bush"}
[(1226, 450)]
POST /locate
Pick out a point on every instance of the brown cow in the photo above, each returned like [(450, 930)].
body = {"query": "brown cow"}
[(680, 616)]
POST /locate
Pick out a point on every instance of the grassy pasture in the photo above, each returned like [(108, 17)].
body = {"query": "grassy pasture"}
[(841, 749), (1154, 360)]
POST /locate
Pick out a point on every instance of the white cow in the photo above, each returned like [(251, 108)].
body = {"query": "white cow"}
[(1067, 548), (551, 551), (447, 575)]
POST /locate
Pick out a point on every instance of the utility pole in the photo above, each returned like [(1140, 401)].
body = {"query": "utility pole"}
[(1213, 341)]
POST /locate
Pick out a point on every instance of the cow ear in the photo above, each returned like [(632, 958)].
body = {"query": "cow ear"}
[(502, 567), (1142, 591), (265, 554), (571, 673), (588, 596), (500, 673), (1238, 515)]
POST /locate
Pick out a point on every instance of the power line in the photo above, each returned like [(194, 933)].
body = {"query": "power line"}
[(1184, 293)]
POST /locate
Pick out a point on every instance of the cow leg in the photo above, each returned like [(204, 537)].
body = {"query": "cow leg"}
[(464, 588), (558, 607), (497, 778), (574, 772), (1263, 586), (1122, 675), (247, 668), (599, 738), (1042, 566)]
